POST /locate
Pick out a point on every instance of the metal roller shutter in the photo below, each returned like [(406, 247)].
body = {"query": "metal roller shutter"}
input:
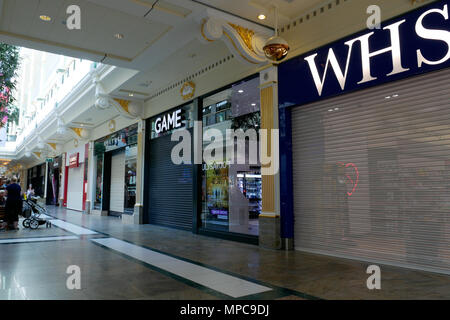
[(170, 187), (372, 174), (117, 193), (75, 188)]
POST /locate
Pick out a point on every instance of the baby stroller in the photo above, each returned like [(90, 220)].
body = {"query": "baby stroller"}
[(32, 212)]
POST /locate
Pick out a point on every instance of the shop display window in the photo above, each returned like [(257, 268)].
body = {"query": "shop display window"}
[(231, 192), (98, 182), (130, 178)]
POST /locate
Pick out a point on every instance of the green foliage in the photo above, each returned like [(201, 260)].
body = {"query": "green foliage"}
[(9, 63), (99, 148)]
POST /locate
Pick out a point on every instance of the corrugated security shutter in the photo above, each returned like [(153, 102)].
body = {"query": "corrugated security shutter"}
[(117, 195), (371, 174), (75, 188), (170, 187)]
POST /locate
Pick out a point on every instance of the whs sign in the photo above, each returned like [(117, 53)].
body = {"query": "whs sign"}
[(416, 43)]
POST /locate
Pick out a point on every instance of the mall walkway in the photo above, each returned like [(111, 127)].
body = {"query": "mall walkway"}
[(120, 261)]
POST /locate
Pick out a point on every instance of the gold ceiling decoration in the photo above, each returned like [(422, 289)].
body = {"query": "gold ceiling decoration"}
[(202, 30), (53, 145), (112, 125), (188, 90), (123, 103), (77, 131), (245, 34), (38, 154)]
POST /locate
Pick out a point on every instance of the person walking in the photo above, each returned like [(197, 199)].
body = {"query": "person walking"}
[(13, 203)]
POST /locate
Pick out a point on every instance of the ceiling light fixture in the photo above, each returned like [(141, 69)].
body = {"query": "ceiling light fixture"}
[(253, 104), (241, 91), (45, 18), (262, 17), (118, 36)]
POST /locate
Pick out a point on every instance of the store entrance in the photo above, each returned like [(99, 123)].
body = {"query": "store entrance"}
[(117, 189)]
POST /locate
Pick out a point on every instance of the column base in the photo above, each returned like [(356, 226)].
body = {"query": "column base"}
[(287, 244), (269, 231), (103, 213), (138, 214), (87, 205)]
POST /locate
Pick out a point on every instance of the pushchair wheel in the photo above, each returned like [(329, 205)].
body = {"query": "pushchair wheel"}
[(26, 223), (34, 224)]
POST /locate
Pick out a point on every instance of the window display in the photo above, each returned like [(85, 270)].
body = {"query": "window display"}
[(231, 192), (130, 178)]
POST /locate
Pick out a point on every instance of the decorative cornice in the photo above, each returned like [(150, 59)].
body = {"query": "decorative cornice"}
[(246, 44), (126, 108), (245, 34)]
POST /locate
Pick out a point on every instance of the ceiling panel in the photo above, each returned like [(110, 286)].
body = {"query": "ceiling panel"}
[(99, 24)]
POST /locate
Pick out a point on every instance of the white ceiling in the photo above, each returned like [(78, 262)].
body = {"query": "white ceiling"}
[(160, 43)]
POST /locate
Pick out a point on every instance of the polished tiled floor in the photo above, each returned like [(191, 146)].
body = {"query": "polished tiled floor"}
[(120, 261)]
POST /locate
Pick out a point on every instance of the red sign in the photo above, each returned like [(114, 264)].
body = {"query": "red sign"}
[(74, 160)]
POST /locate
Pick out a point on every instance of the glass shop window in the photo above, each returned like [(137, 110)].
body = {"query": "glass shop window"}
[(231, 191)]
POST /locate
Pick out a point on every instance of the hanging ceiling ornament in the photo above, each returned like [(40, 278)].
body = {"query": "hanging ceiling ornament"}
[(276, 48)]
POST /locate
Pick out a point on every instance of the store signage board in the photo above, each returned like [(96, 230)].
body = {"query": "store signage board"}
[(50, 160), (412, 44), (169, 121), (74, 160)]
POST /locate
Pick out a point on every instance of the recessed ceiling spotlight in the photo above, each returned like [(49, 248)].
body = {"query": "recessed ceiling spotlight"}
[(45, 18), (253, 104), (131, 95), (395, 95), (118, 36), (388, 97), (262, 17), (241, 91), (330, 110), (336, 109)]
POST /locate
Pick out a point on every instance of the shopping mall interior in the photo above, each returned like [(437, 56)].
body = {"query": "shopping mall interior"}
[(278, 150)]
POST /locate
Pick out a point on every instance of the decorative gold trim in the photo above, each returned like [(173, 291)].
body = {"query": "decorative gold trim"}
[(245, 34), (112, 125), (203, 32), (188, 95), (235, 47), (77, 131), (123, 103), (52, 145), (38, 154)]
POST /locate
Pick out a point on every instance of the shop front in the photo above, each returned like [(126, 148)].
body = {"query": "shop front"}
[(54, 173), (218, 195), (74, 179), (115, 158), (365, 137), (36, 178)]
